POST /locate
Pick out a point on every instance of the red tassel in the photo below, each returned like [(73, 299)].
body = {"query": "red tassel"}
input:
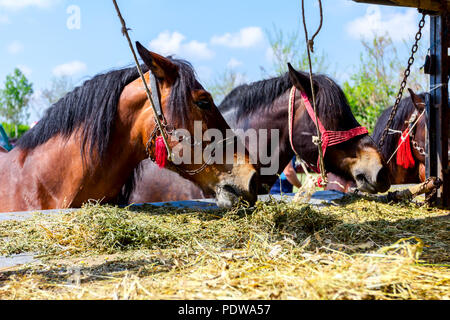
[(160, 152), (319, 182), (404, 155)]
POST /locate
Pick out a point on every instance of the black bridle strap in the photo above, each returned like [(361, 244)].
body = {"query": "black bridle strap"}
[(141, 74), (155, 95)]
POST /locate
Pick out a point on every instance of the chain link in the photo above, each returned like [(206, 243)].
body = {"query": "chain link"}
[(406, 74)]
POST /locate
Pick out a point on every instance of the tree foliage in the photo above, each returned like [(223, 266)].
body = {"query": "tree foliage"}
[(224, 83), (375, 85), (291, 48), (58, 88), (14, 99)]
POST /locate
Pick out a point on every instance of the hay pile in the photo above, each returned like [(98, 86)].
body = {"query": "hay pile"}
[(359, 250)]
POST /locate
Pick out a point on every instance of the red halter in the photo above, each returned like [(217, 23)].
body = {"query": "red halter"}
[(329, 138)]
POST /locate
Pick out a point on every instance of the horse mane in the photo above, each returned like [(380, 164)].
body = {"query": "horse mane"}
[(92, 107), (405, 109), (332, 105)]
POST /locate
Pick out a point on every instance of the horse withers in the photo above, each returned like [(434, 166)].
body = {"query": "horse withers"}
[(264, 105), (89, 145)]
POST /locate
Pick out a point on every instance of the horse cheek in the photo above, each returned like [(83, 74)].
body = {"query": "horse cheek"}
[(422, 172)]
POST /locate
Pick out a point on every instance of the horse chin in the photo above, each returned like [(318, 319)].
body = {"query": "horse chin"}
[(366, 187), (373, 183), (228, 195)]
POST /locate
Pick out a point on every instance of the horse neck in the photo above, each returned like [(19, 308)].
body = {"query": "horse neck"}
[(69, 180), (274, 116)]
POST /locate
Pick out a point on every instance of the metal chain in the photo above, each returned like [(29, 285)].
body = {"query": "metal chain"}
[(437, 185), (406, 74)]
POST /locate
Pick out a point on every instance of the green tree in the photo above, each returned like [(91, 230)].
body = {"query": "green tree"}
[(375, 85), (224, 83), (291, 48), (58, 88), (14, 99)]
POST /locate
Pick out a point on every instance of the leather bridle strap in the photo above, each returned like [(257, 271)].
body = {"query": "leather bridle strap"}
[(155, 95)]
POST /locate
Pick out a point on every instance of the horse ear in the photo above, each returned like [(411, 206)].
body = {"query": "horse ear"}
[(417, 101), (161, 67), (301, 81)]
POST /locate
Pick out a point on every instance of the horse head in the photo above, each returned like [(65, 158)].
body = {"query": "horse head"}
[(357, 156), (188, 107)]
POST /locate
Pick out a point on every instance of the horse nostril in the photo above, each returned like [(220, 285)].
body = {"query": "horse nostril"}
[(361, 177), (383, 176), (253, 184)]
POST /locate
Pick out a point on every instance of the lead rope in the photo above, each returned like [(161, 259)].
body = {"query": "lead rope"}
[(141, 74), (308, 187), (309, 49)]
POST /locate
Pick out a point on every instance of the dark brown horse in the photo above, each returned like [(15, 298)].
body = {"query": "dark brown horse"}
[(90, 143), (410, 110), (264, 105)]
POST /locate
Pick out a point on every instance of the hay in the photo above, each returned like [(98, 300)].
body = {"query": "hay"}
[(358, 250)]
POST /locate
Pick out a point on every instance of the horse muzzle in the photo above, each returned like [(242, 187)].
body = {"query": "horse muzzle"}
[(230, 192), (377, 182)]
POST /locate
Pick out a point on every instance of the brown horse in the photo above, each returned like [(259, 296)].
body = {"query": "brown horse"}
[(89, 145), (264, 105), (410, 110)]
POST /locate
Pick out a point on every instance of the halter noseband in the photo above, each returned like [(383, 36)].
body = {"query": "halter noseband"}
[(329, 138)]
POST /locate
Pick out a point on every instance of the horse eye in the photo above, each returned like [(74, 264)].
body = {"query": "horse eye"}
[(203, 104)]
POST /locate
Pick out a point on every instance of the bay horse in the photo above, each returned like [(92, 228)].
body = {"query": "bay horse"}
[(89, 145), (410, 110), (264, 105)]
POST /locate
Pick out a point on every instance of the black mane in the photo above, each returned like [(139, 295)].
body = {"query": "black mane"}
[(405, 109), (332, 105), (92, 108)]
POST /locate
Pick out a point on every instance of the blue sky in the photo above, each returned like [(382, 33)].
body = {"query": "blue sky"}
[(213, 35)]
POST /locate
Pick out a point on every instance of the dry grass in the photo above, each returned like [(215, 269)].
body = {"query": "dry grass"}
[(359, 250)]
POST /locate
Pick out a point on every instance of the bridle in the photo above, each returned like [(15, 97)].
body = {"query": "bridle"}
[(415, 117), (329, 138), (411, 132), (169, 130)]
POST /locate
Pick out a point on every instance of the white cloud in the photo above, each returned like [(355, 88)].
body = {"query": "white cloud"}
[(21, 4), (399, 25), (15, 47), (25, 70), (173, 43), (197, 49), (167, 43), (233, 63), (244, 38), (69, 69)]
